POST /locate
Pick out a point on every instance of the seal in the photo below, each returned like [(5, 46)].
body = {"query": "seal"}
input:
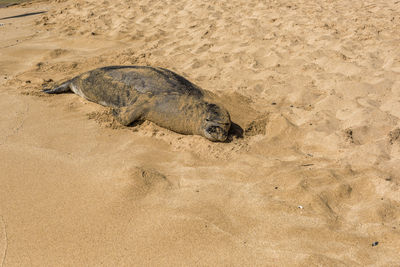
[(155, 94)]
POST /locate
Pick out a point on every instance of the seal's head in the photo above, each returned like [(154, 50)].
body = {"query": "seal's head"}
[(216, 124)]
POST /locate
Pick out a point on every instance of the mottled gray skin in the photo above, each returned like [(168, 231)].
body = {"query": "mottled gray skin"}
[(155, 94)]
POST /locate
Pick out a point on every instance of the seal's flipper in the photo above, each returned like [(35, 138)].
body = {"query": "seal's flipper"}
[(129, 114), (63, 88)]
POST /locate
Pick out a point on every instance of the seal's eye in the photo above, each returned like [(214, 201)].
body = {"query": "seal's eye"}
[(219, 123)]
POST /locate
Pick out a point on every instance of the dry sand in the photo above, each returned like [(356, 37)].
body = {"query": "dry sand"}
[(315, 181)]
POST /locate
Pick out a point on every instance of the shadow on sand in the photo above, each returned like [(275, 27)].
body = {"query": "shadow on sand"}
[(234, 132), (24, 15)]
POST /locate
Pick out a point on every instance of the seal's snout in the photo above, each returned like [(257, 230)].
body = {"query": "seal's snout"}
[(216, 132), (217, 123)]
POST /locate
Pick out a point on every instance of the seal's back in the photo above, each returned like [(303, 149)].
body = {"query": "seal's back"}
[(119, 86)]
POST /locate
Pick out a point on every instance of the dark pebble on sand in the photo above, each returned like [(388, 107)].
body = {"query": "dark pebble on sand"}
[(273, 103)]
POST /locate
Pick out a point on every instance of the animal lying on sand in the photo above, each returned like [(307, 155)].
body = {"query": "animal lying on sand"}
[(155, 94)]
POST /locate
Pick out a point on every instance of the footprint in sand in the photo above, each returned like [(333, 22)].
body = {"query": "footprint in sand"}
[(147, 181)]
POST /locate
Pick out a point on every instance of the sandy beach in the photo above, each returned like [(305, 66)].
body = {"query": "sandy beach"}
[(315, 180)]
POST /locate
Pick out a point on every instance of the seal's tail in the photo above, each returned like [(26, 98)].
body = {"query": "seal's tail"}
[(63, 88)]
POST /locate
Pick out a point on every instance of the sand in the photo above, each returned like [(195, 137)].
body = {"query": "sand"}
[(315, 180)]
